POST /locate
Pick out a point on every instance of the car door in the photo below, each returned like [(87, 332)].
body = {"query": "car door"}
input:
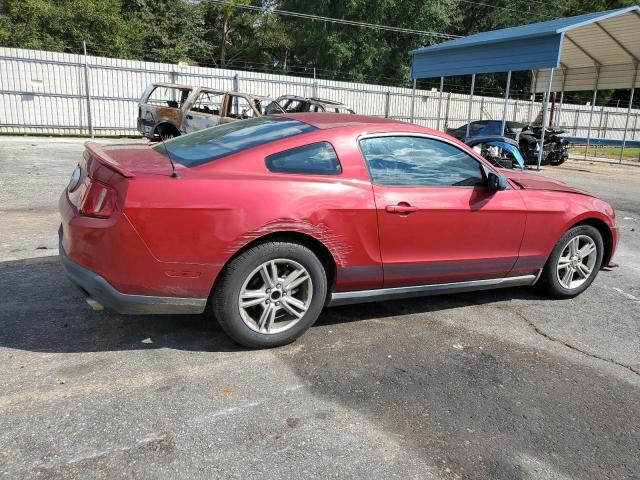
[(438, 222), (202, 111)]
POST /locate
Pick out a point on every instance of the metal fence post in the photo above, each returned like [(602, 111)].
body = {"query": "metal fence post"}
[(506, 104), (533, 95), (473, 85), (236, 83), (626, 122), (86, 90), (387, 99), (593, 105), (413, 101), (446, 115), (544, 118), (599, 129), (440, 102)]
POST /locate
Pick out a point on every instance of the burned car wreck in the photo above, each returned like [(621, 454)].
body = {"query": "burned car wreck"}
[(167, 110), (295, 104)]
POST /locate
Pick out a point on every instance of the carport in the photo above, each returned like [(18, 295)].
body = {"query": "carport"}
[(594, 51)]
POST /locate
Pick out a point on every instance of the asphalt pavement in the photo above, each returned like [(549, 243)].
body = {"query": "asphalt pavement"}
[(493, 385)]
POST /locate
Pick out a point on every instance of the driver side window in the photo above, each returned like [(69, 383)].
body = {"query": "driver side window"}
[(419, 162)]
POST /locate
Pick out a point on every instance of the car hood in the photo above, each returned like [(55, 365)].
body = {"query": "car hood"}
[(528, 181)]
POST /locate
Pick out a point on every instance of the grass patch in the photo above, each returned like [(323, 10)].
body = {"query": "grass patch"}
[(630, 153)]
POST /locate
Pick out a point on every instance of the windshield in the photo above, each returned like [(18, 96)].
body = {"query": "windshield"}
[(216, 142)]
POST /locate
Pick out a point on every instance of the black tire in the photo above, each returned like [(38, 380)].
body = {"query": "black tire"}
[(550, 284), (226, 294), (167, 132)]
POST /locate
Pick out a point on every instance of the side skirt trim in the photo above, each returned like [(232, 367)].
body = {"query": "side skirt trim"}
[(362, 296)]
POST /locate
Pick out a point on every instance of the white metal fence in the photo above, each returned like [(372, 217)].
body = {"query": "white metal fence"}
[(60, 93)]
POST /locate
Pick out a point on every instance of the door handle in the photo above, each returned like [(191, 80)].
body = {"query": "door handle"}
[(190, 117), (402, 208)]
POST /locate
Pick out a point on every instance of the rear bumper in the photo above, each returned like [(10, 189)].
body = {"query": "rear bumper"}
[(100, 290)]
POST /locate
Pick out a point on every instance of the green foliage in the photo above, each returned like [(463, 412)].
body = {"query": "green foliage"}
[(206, 33)]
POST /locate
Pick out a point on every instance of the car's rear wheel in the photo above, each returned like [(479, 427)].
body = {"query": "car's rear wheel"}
[(574, 262), (270, 295), (167, 132)]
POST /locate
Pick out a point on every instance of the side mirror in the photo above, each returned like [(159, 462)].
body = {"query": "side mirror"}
[(496, 182)]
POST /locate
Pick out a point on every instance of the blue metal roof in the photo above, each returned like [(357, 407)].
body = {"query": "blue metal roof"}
[(527, 47)]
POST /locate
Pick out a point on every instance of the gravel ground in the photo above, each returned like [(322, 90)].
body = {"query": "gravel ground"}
[(495, 385)]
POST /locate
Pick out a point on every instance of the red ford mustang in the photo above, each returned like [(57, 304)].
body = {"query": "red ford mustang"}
[(269, 220)]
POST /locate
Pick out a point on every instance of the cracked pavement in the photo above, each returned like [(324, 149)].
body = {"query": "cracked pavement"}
[(501, 384)]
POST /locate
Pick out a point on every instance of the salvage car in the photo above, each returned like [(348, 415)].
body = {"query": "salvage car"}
[(500, 151), (295, 104), (555, 150), (484, 128), (269, 220), (168, 110)]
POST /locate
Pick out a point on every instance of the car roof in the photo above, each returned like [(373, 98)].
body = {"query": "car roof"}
[(487, 122), (173, 85), (338, 120), (323, 101)]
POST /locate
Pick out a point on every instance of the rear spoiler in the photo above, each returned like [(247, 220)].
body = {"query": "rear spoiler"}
[(97, 151)]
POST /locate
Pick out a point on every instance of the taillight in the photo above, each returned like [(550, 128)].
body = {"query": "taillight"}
[(100, 201)]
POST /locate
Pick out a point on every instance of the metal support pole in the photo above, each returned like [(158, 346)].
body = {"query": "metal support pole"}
[(544, 118), (387, 99), (506, 104), (564, 84), (533, 95), (413, 101), (440, 102), (593, 105), (473, 85), (626, 122), (86, 90)]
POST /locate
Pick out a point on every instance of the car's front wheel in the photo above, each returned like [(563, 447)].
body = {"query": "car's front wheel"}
[(574, 262), (270, 295)]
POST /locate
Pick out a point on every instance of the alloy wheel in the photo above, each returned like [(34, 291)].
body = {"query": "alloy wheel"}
[(275, 296), (576, 262)]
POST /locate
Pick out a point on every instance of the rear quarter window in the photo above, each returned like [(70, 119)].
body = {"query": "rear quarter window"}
[(210, 144), (316, 159), (167, 96)]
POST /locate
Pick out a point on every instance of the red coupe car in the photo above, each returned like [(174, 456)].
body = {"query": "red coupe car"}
[(268, 220)]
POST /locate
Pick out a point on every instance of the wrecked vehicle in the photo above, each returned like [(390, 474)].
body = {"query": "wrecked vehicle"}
[(485, 128), (502, 152), (556, 148), (295, 104), (168, 110)]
